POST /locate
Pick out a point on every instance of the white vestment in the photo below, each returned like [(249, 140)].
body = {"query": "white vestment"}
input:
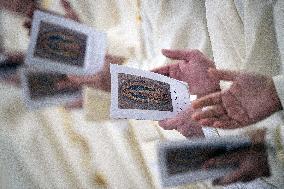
[(55, 148), (244, 38)]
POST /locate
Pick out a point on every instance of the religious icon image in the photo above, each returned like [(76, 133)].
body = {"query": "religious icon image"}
[(137, 92), (60, 44)]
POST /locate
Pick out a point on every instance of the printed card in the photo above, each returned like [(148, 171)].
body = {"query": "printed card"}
[(139, 94), (42, 89), (65, 46), (181, 162)]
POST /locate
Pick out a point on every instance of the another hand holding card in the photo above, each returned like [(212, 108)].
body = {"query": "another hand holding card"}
[(182, 162)]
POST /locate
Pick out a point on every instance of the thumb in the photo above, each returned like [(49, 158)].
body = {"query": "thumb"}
[(225, 75), (69, 11)]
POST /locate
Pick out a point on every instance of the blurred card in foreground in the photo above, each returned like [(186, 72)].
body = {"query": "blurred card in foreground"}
[(41, 89), (65, 46), (139, 94), (181, 162)]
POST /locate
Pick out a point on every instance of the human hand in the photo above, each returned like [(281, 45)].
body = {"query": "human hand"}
[(183, 124), (69, 12), (192, 68), (101, 80), (250, 99), (18, 6), (252, 163)]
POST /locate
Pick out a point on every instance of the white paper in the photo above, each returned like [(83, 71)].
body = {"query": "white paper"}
[(179, 95), (83, 38)]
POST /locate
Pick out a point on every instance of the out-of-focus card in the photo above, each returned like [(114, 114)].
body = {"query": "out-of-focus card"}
[(41, 89), (139, 94), (65, 46), (181, 162)]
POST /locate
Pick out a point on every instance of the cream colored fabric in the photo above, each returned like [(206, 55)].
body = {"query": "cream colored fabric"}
[(159, 24), (243, 38), (54, 148)]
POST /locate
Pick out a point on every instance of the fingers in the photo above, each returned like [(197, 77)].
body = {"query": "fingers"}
[(77, 104), (234, 108), (164, 70), (82, 80), (212, 120), (15, 58), (66, 84), (170, 124), (111, 59), (69, 11), (235, 176), (209, 100), (227, 124), (172, 70), (215, 111), (208, 121), (30, 11), (191, 130), (225, 160), (222, 74), (181, 54)]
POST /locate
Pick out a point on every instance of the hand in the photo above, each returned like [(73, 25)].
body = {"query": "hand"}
[(252, 163), (183, 124), (250, 99), (69, 13), (101, 80), (18, 6), (192, 68)]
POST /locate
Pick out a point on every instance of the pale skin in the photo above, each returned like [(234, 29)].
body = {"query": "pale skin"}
[(251, 98), (192, 67), (19, 6), (252, 163)]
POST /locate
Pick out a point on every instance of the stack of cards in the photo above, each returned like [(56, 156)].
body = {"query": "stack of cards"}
[(181, 162), (59, 46), (139, 94)]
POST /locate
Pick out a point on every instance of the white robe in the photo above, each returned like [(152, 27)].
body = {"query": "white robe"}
[(54, 148), (243, 37)]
